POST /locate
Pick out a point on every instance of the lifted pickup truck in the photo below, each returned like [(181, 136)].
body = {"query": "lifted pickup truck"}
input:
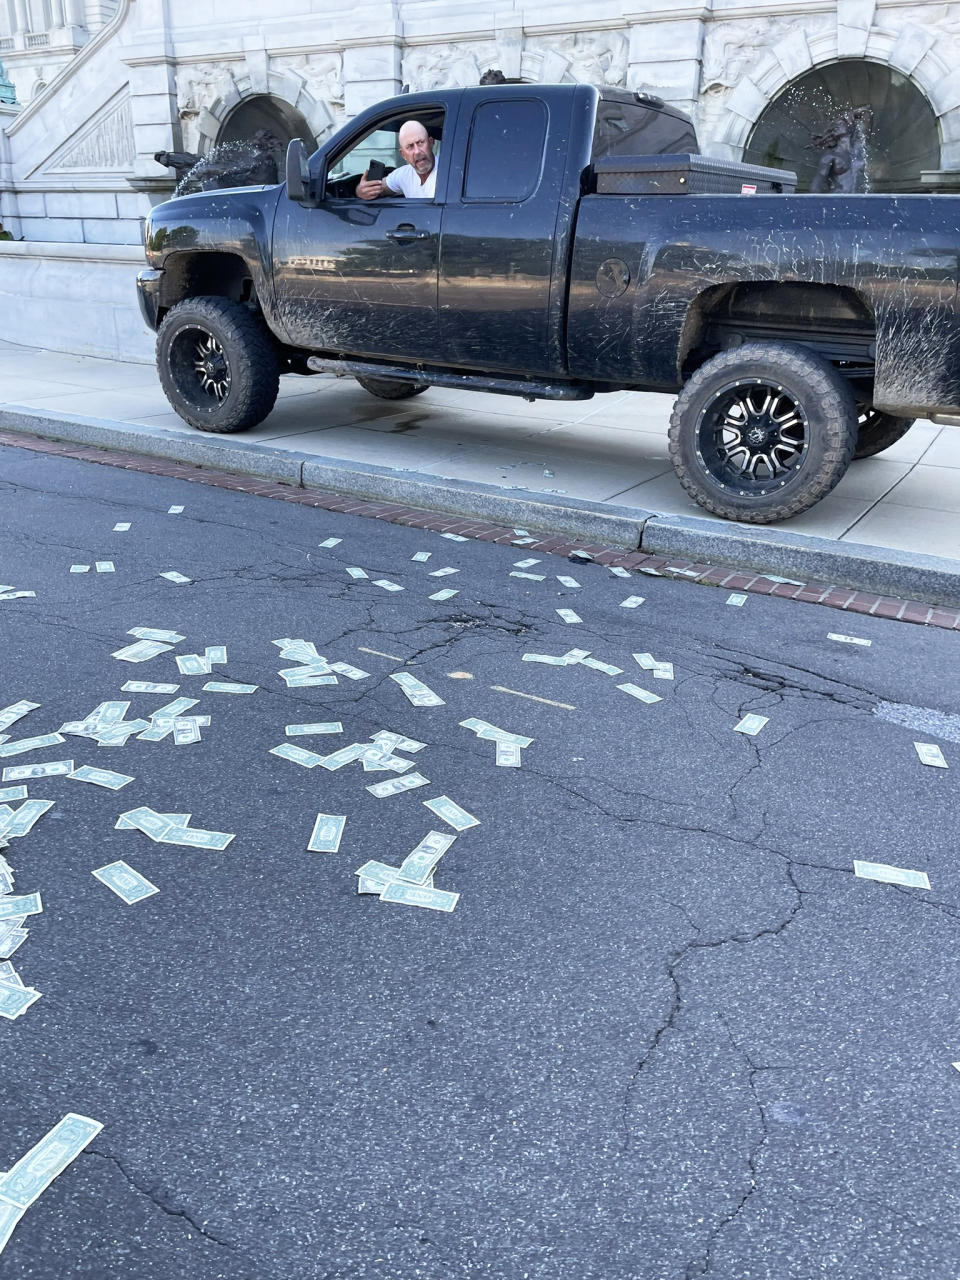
[(576, 243)]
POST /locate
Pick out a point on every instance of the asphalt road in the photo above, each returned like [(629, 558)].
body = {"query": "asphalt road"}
[(666, 1032)]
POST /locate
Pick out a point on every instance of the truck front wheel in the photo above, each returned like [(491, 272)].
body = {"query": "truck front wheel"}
[(762, 432), (218, 364)]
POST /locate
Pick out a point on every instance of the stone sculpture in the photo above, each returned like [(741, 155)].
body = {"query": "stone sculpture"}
[(843, 166)]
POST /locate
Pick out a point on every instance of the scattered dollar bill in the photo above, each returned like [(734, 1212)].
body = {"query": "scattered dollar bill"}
[(422, 556), (195, 837), (573, 656), (751, 724), (148, 821), (842, 639), (415, 690), (330, 542), (192, 664), (324, 726), (186, 731), (229, 686), (483, 729), (142, 651), (105, 566), (355, 572), (548, 659), (645, 660), (174, 511), (568, 615), (11, 939), (175, 708), (24, 904), (18, 595), (397, 742), (346, 755), (19, 745), (153, 633), (13, 793), (642, 695), (891, 875), (349, 671), (79, 568), (618, 571), (15, 999), (148, 686), (216, 653), (530, 577), (52, 769), (928, 752), (631, 602), (16, 711), (172, 576), (415, 896), (327, 833), (449, 811), (566, 581), (525, 564), (453, 537), (101, 777), (663, 671), (442, 573), (508, 755), (418, 865), (33, 1172), (375, 876), (737, 598), (125, 882), (394, 786), (23, 819), (287, 751), (306, 679), (446, 594), (122, 527), (387, 584), (595, 665)]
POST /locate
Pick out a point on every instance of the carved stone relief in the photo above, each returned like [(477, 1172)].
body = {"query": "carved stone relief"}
[(730, 49), (322, 74), (198, 88), (593, 57), (446, 66), (108, 145)]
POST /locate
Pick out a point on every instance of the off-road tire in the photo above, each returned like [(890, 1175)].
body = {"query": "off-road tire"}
[(878, 431), (245, 365), (811, 449), (392, 388)]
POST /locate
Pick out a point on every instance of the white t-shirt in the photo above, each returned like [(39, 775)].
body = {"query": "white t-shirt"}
[(405, 181)]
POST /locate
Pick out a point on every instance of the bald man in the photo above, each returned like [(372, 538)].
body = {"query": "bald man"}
[(417, 178)]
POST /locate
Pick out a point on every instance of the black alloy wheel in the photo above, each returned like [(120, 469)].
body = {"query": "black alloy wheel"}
[(761, 432), (877, 431)]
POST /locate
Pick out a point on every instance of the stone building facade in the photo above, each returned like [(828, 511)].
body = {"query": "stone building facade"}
[(106, 84)]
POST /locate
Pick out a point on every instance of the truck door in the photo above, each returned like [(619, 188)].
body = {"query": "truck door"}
[(506, 232), (360, 276)]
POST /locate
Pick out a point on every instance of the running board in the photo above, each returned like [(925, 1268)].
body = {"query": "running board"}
[(528, 388)]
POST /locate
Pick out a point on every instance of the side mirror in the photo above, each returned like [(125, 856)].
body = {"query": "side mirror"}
[(298, 172)]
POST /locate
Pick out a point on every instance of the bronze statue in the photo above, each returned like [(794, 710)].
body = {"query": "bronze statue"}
[(493, 76), (241, 164), (843, 166)]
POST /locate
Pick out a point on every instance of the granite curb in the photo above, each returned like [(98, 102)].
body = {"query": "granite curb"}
[(854, 565)]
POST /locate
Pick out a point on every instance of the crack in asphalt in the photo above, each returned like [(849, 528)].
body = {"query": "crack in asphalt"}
[(165, 1208)]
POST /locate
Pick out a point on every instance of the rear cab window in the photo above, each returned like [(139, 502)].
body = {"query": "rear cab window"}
[(506, 151)]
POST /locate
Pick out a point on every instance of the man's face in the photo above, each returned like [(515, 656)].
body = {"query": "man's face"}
[(416, 147)]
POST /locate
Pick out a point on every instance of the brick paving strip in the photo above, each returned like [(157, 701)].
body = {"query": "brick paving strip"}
[(724, 576)]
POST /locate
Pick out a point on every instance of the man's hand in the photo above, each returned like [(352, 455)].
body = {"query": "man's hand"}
[(371, 188)]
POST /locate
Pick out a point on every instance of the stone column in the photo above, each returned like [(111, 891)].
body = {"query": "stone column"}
[(371, 71), (666, 54)]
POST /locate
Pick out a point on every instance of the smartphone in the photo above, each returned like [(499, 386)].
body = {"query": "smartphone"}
[(376, 171)]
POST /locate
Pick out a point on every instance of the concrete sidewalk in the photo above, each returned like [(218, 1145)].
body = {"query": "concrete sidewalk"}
[(610, 453)]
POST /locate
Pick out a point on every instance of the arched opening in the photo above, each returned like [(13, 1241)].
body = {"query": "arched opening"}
[(262, 111), (898, 128)]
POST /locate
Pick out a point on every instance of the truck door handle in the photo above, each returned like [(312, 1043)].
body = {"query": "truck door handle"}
[(407, 231)]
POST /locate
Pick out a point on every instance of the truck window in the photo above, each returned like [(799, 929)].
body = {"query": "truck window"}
[(505, 157), (632, 129), (378, 143)]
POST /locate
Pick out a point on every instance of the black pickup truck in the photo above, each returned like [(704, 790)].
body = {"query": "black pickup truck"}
[(576, 243)]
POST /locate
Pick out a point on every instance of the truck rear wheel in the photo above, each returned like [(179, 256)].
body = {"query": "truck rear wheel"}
[(762, 432), (878, 431), (392, 388), (218, 364)]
